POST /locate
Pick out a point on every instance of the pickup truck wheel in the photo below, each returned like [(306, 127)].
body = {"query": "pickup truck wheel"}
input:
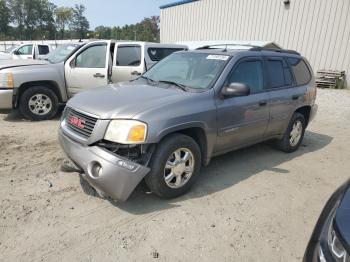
[(174, 166), (38, 103), (294, 134)]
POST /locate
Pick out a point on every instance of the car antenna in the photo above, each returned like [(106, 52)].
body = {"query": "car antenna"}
[(225, 50)]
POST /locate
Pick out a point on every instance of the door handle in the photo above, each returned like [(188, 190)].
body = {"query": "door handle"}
[(295, 97), (99, 75), (263, 103), (136, 73)]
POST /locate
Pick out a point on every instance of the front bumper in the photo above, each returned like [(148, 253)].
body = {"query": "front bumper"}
[(6, 98), (116, 177)]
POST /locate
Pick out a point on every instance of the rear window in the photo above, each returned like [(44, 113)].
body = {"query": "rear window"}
[(158, 53), (301, 71), (43, 49), (278, 73), (129, 55)]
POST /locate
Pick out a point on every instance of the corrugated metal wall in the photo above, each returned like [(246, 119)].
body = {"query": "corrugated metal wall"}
[(319, 29)]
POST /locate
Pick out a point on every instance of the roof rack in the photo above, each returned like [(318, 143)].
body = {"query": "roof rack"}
[(252, 48)]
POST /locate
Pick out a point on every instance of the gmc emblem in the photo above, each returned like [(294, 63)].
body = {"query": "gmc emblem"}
[(76, 121)]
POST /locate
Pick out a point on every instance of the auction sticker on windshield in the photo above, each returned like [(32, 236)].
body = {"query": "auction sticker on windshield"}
[(218, 57)]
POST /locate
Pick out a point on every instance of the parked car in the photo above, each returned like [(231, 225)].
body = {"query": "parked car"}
[(27, 51), (330, 240), (186, 109), (38, 90)]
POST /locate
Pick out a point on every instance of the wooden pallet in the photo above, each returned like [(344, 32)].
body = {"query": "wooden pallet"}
[(330, 79)]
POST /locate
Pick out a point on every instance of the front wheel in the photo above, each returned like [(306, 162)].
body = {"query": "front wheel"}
[(294, 134), (174, 166), (38, 103)]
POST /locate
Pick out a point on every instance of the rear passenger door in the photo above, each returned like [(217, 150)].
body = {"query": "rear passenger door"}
[(41, 51), (128, 63), (283, 97), (243, 120)]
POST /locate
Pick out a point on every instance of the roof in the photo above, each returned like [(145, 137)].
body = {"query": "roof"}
[(231, 44), (177, 3)]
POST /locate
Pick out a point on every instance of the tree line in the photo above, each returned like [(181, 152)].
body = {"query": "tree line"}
[(41, 19)]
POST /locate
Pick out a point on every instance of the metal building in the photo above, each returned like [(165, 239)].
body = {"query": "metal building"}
[(318, 29)]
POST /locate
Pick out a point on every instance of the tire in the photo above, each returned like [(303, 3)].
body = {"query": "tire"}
[(286, 144), (165, 153), (38, 103)]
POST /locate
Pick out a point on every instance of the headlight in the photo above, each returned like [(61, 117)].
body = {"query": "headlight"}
[(6, 80), (126, 131), (336, 247)]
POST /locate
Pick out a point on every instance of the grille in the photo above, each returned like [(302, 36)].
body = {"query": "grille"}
[(84, 124)]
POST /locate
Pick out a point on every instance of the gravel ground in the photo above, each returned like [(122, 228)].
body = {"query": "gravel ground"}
[(255, 204)]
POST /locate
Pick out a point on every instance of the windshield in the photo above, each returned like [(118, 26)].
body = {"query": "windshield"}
[(61, 53), (10, 49), (195, 70)]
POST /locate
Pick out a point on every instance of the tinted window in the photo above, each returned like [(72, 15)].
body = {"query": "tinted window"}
[(157, 54), (129, 56), (92, 57), (26, 50), (249, 73), (43, 49), (300, 70), (278, 73)]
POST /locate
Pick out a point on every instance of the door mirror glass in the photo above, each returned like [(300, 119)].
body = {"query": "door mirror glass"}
[(72, 63), (235, 89)]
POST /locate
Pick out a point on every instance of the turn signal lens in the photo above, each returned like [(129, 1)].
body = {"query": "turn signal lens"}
[(6, 80), (137, 133)]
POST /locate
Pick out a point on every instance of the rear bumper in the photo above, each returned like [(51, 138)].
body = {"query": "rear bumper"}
[(117, 177), (6, 98), (313, 112)]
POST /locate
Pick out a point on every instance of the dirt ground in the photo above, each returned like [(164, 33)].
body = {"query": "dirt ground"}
[(255, 204)]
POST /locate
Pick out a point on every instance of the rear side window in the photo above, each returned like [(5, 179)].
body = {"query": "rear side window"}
[(158, 53), (129, 55), (301, 71), (249, 73), (278, 73), (43, 49)]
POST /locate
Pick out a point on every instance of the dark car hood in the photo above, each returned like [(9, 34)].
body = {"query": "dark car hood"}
[(342, 218), (125, 100)]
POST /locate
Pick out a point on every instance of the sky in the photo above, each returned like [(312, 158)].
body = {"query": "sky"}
[(116, 12)]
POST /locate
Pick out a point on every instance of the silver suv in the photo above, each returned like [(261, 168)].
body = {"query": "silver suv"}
[(191, 106)]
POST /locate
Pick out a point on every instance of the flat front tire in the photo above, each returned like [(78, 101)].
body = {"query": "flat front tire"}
[(38, 103), (175, 166)]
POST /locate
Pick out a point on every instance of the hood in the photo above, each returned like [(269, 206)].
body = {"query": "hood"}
[(342, 218), (125, 100), (21, 62)]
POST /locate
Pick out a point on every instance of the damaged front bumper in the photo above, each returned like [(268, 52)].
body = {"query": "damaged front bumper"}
[(108, 173)]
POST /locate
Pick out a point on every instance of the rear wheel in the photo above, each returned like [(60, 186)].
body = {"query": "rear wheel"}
[(174, 166), (294, 134), (38, 103)]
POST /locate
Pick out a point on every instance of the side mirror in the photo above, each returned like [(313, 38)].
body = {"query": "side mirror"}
[(72, 63), (16, 52), (235, 89)]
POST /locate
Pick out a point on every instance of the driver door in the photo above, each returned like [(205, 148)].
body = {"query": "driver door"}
[(24, 52), (243, 120), (88, 68)]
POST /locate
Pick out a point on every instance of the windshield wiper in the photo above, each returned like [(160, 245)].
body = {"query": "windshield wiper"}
[(147, 78), (182, 87)]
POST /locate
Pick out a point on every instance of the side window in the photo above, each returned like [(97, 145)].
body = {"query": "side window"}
[(249, 73), (26, 50), (92, 57), (43, 49), (158, 53), (278, 73), (300, 70), (128, 55)]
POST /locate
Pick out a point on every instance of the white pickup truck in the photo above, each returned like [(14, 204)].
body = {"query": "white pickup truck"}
[(27, 51), (39, 88)]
